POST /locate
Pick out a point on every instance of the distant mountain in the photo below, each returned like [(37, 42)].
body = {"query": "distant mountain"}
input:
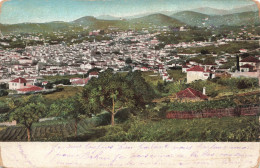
[(159, 20), (210, 11), (85, 21), (245, 18), (214, 11), (249, 8), (199, 19), (191, 18), (108, 17), (177, 19)]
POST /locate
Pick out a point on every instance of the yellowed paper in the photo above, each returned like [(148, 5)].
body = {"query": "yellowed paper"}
[(141, 155)]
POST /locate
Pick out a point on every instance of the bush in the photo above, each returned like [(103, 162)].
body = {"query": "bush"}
[(3, 93), (3, 107), (198, 130), (238, 83), (3, 86), (212, 89), (197, 106)]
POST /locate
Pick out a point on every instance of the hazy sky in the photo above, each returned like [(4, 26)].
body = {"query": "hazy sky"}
[(18, 11)]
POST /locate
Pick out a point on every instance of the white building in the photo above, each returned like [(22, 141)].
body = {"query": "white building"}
[(197, 73)]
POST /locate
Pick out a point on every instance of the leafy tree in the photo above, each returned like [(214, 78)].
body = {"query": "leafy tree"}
[(3, 86), (71, 108), (109, 92), (143, 92), (204, 51), (3, 93), (49, 86), (27, 110), (128, 61)]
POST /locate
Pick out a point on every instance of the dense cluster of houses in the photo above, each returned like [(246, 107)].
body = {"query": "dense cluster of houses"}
[(22, 69)]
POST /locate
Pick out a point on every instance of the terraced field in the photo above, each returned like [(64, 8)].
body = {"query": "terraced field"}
[(44, 132)]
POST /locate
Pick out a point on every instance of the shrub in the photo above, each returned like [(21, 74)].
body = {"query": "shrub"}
[(3, 93), (197, 130)]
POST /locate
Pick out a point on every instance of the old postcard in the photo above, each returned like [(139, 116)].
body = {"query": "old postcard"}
[(155, 72)]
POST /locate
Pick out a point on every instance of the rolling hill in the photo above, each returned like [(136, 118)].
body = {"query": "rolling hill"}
[(210, 11), (157, 19), (108, 17), (191, 18), (215, 12), (199, 19), (37, 27), (150, 21)]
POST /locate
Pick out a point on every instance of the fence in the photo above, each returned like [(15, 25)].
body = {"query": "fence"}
[(227, 112)]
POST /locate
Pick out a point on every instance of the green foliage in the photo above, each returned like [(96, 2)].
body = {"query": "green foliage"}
[(197, 130), (197, 106), (62, 81), (177, 74), (3, 107), (204, 51), (212, 89), (176, 87), (71, 108), (3, 93), (27, 109), (128, 61), (238, 83), (109, 92), (3, 86)]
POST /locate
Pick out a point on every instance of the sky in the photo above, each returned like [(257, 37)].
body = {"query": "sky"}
[(20, 11)]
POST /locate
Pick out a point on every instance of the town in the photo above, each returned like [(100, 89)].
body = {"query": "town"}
[(126, 50)]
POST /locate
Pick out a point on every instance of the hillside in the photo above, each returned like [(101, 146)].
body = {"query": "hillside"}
[(108, 17), (199, 19), (157, 19), (190, 17), (210, 11), (151, 21), (237, 19), (37, 27), (85, 21)]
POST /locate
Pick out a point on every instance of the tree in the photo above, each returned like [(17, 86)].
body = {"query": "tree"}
[(128, 61), (3, 93), (71, 108), (143, 92), (204, 51), (109, 92), (27, 110)]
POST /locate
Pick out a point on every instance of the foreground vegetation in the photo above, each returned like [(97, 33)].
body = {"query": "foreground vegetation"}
[(233, 129), (127, 102)]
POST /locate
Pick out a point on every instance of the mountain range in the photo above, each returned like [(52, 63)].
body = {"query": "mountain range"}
[(195, 17)]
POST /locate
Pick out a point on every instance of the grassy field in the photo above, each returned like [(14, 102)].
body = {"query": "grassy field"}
[(177, 75), (69, 91), (152, 78), (58, 77)]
